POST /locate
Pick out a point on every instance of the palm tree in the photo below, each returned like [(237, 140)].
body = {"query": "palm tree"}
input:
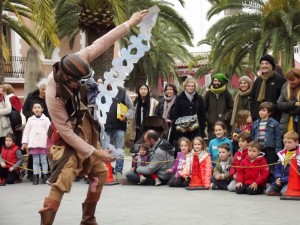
[(97, 21), (259, 28), (41, 34)]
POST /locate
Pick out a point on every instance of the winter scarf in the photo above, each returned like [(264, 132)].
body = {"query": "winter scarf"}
[(146, 108), (190, 96), (217, 90), (262, 91), (167, 105), (236, 103)]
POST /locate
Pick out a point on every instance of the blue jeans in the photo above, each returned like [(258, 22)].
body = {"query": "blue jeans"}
[(37, 160), (116, 137)]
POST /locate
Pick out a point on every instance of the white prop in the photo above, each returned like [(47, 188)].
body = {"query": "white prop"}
[(123, 65)]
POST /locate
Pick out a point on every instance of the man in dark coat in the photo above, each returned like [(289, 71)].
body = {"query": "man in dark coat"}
[(267, 87)]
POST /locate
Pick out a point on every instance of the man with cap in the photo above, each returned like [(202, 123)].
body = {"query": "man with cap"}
[(267, 87), (218, 103), (77, 150)]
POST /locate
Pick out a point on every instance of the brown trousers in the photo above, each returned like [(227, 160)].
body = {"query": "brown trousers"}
[(76, 165)]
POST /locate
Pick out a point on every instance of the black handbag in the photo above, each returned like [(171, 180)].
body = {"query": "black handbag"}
[(187, 124), (15, 118)]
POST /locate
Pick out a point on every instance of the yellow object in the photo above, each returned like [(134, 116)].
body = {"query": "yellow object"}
[(290, 126), (121, 110)]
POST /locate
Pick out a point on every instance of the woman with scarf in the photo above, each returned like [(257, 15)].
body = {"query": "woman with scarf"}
[(5, 110), (144, 106), (242, 99), (289, 102), (188, 103)]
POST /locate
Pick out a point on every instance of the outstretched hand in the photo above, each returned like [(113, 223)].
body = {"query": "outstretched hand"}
[(137, 17), (104, 155)]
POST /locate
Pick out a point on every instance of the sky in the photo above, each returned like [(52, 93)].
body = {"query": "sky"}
[(195, 14)]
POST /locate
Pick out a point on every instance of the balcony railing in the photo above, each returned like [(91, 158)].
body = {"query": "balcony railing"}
[(15, 67)]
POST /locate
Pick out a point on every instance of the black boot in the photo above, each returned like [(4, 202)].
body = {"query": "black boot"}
[(44, 178), (35, 179)]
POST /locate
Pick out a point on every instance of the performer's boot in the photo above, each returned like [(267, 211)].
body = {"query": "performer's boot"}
[(88, 213), (49, 211)]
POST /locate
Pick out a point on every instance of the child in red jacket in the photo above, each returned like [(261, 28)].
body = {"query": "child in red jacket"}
[(252, 177), (244, 139), (10, 159)]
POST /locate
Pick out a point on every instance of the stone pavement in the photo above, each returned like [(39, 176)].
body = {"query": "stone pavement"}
[(143, 205)]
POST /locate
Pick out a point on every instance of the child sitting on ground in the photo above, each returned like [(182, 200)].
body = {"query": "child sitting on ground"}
[(220, 178), (282, 169), (220, 132), (143, 159), (10, 159), (243, 140), (179, 179), (253, 174), (205, 168)]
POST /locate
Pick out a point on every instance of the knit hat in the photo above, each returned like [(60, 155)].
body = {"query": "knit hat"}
[(221, 77), (76, 67), (247, 79), (269, 59)]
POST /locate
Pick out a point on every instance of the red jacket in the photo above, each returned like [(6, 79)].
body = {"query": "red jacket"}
[(10, 155), (237, 159), (255, 174), (15, 102)]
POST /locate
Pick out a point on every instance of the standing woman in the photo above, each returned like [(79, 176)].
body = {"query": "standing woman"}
[(165, 104), (144, 106), (37, 95), (242, 99), (189, 103), (289, 102), (16, 103), (5, 110)]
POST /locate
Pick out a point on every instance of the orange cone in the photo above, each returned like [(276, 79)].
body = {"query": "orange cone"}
[(196, 182), (293, 190), (110, 179)]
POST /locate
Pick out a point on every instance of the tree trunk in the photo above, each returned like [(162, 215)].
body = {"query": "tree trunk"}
[(1, 50), (102, 63), (34, 71)]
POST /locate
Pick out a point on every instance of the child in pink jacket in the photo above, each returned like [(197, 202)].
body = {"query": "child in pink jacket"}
[(35, 139), (199, 149)]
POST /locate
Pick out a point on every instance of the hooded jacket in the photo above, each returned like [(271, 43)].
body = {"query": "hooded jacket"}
[(162, 158), (256, 171), (237, 160)]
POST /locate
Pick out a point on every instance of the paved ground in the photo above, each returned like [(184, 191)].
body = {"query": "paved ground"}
[(141, 205)]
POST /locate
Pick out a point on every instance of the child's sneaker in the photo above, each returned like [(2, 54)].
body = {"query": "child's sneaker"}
[(157, 182), (142, 179), (214, 187)]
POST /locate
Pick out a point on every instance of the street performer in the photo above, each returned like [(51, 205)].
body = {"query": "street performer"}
[(76, 150)]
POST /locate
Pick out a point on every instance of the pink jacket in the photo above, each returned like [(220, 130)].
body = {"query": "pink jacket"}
[(205, 167), (35, 133), (56, 107)]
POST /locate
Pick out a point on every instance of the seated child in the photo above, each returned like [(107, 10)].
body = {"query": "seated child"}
[(142, 159), (179, 179), (243, 140), (11, 158), (205, 166), (253, 177), (282, 169), (220, 178)]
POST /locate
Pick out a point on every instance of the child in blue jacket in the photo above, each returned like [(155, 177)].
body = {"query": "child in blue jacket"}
[(267, 132)]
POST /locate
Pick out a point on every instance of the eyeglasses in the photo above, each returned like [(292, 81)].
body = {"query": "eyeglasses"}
[(82, 80)]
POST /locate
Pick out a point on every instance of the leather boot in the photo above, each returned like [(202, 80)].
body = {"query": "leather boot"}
[(88, 213), (49, 211), (44, 178)]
